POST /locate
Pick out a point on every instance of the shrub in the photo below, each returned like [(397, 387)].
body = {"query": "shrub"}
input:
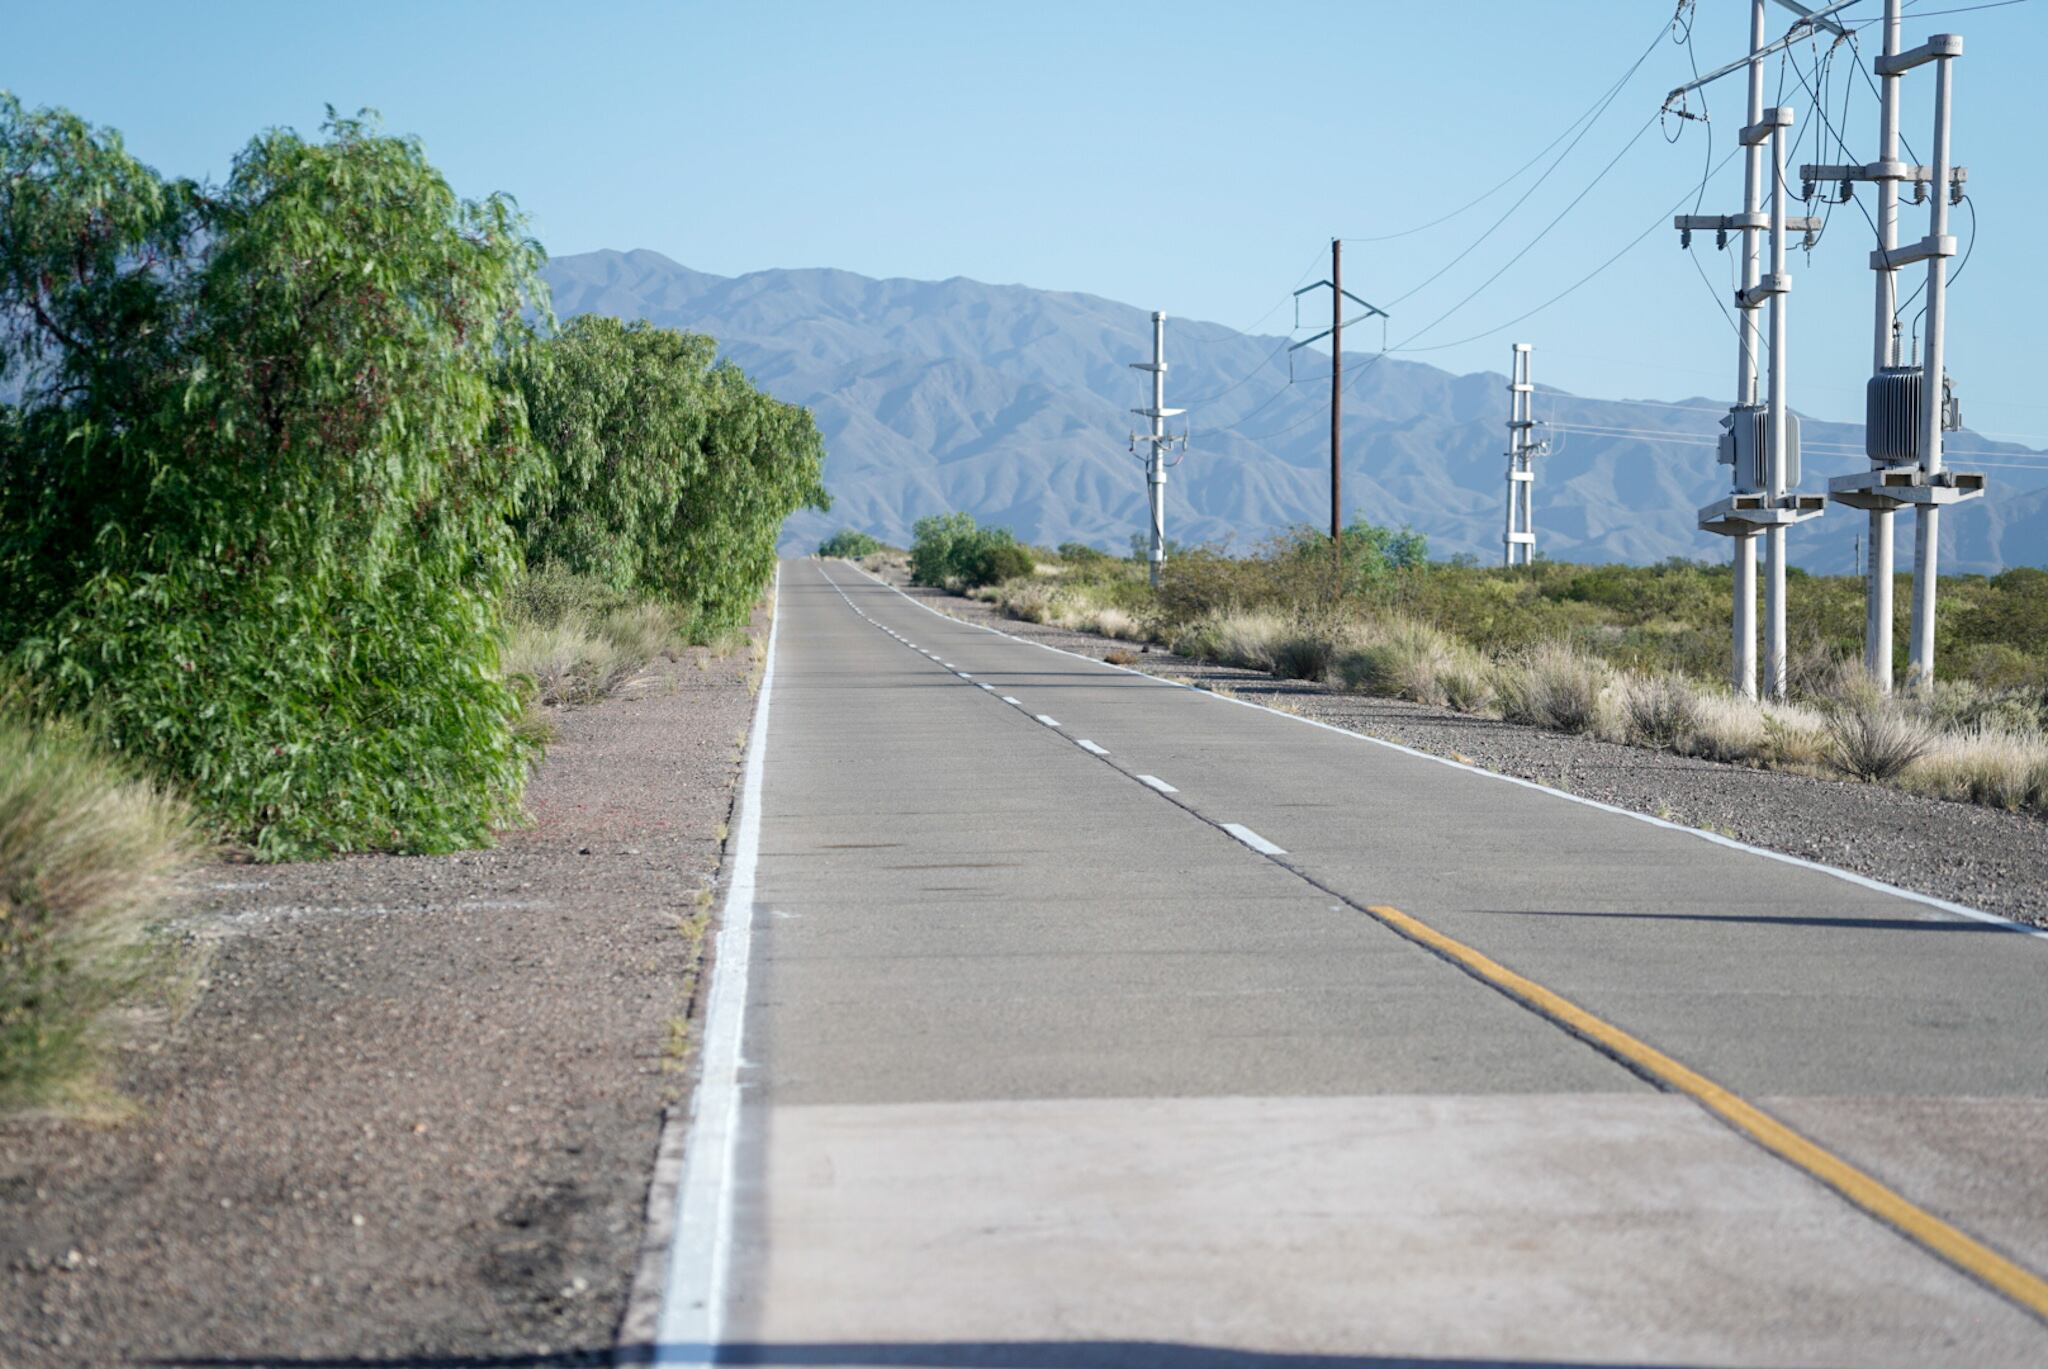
[(1874, 739), (991, 562), (1553, 685), (86, 850), (849, 544)]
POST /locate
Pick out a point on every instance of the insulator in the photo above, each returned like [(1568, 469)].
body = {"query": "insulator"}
[(1808, 239), (1806, 190), (1685, 239), (1919, 192), (1721, 239), (1848, 191), (1955, 192)]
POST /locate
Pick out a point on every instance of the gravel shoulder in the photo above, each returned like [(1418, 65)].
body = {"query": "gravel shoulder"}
[(414, 1108), (1982, 857)]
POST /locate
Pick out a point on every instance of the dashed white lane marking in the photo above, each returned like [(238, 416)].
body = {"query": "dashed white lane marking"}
[(1091, 747), (1154, 782), (963, 674), (1252, 839), (1049, 722), (990, 688), (1014, 703)]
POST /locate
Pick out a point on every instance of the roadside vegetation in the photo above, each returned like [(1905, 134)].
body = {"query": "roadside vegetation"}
[(307, 509), (1630, 654), (87, 849)]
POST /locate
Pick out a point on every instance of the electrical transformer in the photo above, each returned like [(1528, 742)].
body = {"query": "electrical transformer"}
[(1746, 445), (1893, 405)]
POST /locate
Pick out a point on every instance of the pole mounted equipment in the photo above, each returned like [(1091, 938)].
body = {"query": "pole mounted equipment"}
[(1157, 444)]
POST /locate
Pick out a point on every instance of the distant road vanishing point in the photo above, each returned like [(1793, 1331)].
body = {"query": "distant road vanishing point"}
[(1064, 1016)]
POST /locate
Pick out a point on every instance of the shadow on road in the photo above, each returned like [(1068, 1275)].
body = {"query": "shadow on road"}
[(1112, 1354)]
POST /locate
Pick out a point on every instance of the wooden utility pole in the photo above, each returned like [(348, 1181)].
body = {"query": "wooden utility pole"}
[(1335, 332), (1337, 409)]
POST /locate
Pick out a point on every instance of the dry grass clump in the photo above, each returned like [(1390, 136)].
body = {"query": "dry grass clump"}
[(1986, 764), (1308, 651), (1661, 712), (1411, 660), (1554, 685), (87, 851), (1873, 738), (578, 642), (1110, 621), (1249, 638)]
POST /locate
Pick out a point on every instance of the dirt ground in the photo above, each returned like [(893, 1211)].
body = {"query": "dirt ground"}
[(411, 1116)]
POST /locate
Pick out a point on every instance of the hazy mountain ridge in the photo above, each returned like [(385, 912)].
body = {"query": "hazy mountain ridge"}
[(1013, 403)]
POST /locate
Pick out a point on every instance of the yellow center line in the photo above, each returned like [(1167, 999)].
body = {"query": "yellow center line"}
[(1965, 1252)]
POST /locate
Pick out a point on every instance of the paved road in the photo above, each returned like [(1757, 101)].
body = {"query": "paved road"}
[(1088, 1020)]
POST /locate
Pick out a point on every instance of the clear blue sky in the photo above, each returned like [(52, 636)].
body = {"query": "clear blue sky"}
[(1191, 157)]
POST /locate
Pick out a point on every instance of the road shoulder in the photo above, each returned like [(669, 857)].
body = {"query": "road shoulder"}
[(415, 1106)]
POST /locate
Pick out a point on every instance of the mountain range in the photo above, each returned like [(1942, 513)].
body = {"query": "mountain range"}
[(1013, 404)]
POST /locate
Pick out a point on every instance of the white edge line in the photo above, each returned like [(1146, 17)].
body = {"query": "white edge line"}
[(1090, 747), (699, 1259), (1154, 782), (1863, 881), (1252, 839)]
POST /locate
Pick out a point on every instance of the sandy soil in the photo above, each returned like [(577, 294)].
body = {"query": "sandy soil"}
[(412, 1113)]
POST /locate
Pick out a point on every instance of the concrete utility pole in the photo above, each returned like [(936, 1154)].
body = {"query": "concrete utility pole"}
[(1906, 407), (1523, 448), (1762, 441), (1335, 332), (1157, 444)]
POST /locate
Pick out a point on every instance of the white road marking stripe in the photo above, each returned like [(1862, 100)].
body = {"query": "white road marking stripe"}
[(1961, 910), (1091, 747), (1252, 839), (1012, 702), (963, 674), (700, 1251), (990, 688), (1049, 722), (1154, 782)]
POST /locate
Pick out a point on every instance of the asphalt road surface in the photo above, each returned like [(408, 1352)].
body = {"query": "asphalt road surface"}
[(1065, 1017)]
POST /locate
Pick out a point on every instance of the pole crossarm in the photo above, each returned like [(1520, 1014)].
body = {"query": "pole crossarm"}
[(1880, 171), (1935, 49), (1729, 223), (1807, 22), (1295, 347)]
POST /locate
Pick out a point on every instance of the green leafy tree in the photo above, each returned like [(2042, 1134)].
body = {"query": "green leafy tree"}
[(254, 493), (670, 474)]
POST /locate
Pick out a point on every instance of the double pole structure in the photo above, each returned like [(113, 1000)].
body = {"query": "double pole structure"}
[(1907, 408), (1157, 445), (1762, 442), (1518, 543)]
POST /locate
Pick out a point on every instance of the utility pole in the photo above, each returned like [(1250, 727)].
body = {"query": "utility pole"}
[(1762, 441), (1157, 444), (1906, 407), (1337, 411), (1523, 448), (1335, 332)]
